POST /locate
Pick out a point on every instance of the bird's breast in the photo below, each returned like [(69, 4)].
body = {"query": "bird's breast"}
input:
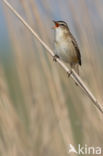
[(65, 50)]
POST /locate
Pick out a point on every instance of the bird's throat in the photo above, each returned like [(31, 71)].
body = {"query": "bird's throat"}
[(60, 34)]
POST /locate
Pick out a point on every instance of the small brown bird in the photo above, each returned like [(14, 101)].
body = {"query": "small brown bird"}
[(66, 47)]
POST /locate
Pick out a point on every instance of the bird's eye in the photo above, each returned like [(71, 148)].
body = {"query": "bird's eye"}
[(62, 24)]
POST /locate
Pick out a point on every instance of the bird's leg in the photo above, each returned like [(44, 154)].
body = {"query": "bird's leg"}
[(55, 57), (69, 73)]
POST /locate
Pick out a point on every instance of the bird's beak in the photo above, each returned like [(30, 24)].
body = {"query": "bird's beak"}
[(56, 24)]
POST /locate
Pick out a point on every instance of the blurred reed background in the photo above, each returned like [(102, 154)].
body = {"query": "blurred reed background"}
[(41, 110)]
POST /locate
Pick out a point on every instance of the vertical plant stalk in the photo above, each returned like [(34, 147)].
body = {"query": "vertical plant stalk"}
[(74, 75)]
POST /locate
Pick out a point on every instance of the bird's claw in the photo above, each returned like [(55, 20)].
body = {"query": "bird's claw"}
[(69, 73), (55, 57)]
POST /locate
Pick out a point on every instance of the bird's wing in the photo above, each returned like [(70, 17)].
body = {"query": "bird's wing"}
[(76, 48)]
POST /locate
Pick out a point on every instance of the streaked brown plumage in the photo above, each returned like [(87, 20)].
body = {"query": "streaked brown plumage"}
[(66, 47)]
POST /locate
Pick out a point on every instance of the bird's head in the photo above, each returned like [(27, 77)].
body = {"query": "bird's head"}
[(61, 28), (60, 25)]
